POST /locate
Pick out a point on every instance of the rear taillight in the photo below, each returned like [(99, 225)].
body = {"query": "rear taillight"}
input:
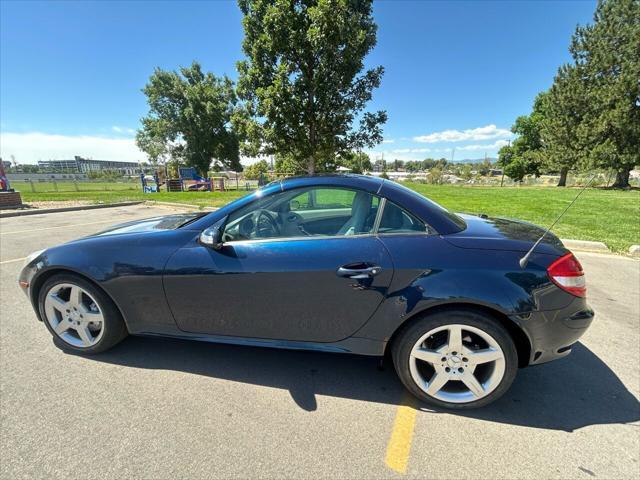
[(566, 272)]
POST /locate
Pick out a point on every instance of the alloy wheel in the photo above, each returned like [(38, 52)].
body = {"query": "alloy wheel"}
[(74, 315), (457, 363)]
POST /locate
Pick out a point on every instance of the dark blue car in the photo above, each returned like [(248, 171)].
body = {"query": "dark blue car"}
[(343, 263)]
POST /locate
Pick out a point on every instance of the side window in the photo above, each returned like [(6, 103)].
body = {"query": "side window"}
[(323, 198), (308, 212), (396, 220)]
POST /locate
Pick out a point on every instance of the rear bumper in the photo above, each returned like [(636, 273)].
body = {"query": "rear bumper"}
[(552, 333)]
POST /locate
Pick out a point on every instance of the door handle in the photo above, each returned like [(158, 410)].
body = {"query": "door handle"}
[(359, 273)]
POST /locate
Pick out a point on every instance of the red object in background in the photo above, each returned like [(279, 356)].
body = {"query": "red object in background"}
[(4, 182)]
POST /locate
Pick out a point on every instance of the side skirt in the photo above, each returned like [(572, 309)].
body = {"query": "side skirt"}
[(353, 345)]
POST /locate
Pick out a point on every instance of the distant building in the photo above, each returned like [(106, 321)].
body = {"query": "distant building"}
[(85, 165)]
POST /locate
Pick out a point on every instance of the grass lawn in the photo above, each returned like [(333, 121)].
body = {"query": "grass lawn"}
[(609, 216)]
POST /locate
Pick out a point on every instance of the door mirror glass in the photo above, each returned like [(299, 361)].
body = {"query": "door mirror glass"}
[(212, 237)]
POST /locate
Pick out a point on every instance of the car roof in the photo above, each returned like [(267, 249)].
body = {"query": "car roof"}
[(362, 182)]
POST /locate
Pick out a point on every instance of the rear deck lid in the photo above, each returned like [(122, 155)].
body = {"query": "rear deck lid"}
[(504, 234)]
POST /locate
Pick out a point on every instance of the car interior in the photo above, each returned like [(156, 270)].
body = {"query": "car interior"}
[(317, 212)]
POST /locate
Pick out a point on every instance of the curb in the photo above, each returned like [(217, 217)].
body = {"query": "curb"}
[(65, 209), (634, 251), (174, 204), (585, 245)]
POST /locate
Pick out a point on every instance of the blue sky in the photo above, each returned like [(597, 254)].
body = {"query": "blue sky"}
[(457, 73)]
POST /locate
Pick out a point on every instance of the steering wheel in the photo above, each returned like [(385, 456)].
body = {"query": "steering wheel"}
[(266, 225)]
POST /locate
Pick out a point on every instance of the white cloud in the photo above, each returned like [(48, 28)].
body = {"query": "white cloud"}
[(34, 146), (390, 140), (492, 146), (481, 133), (118, 129)]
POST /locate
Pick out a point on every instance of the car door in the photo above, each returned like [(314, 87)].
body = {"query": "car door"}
[(315, 287)]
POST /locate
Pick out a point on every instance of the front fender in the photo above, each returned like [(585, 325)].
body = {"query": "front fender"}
[(128, 267)]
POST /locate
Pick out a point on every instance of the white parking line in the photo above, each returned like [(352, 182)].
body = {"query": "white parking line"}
[(13, 261)]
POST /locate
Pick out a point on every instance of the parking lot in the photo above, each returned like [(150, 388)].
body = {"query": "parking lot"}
[(155, 408)]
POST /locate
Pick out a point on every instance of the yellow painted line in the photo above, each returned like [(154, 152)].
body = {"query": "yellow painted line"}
[(13, 261), (57, 226), (399, 446)]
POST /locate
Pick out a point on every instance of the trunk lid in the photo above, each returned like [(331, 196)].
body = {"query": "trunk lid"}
[(495, 233)]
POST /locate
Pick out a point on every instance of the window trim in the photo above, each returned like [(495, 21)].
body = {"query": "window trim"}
[(429, 230)]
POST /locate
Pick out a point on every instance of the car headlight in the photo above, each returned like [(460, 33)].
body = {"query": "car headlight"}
[(32, 256)]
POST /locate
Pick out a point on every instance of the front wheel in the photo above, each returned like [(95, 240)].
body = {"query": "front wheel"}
[(456, 359), (81, 317)]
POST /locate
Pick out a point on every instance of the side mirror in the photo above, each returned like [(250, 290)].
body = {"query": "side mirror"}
[(212, 237)]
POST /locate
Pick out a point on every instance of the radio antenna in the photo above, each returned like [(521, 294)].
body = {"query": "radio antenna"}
[(525, 260)]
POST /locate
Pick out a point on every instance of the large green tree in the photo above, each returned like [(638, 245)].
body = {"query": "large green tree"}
[(607, 59), (526, 154), (190, 119), (302, 84), (565, 107)]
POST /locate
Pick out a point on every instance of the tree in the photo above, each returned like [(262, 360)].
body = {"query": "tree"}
[(190, 119), (357, 162), (607, 59), (565, 106), (256, 170), (301, 82), (526, 153)]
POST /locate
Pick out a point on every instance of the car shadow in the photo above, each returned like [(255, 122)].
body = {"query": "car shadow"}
[(568, 394)]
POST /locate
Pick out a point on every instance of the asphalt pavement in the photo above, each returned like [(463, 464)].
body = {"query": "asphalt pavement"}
[(156, 408)]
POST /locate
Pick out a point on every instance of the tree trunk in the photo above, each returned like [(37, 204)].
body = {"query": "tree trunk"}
[(563, 177), (311, 166), (622, 178)]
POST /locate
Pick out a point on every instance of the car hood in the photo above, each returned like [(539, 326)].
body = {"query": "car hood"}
[(164, 222), (495, 233)]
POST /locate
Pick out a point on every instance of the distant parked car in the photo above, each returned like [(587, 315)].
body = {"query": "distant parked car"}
[(330, 263)]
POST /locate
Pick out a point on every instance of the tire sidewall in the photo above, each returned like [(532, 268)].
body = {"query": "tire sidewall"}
[(113, 325), (401, 350)]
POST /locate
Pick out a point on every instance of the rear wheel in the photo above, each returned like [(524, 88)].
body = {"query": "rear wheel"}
[(81, 317), (456, 359)]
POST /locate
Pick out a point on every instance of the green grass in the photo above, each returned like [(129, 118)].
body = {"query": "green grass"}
[(50, 187), (202, 199), (609, 216)]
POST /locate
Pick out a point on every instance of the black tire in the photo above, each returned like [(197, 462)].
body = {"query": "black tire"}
[(114, 327), (415, 330)]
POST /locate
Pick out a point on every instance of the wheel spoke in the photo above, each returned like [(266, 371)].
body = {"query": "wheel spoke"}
[(84, 334), (62, 326), (75, 296), (455, 338), (93, 317), (437, 381), (472, 383), (483, 356), (57, 303), (426, 355)]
